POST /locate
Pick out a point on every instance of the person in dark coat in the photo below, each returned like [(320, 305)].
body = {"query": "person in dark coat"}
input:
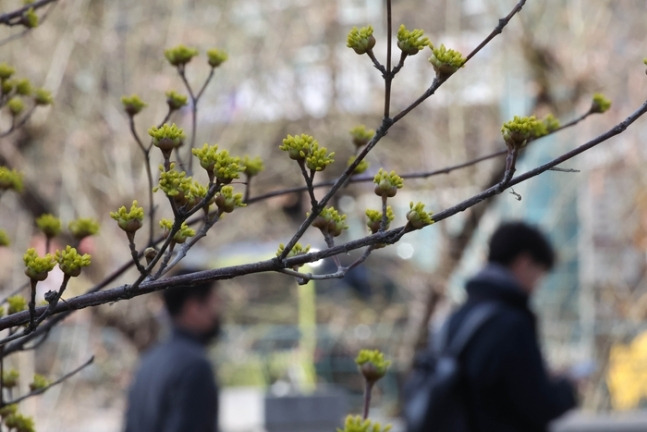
[(507, 385), (174, 388)]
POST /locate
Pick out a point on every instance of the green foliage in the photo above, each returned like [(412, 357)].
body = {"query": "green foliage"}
[(357, 424), (71, 262), (418, 217), (129, 220), (43, 97), (4, 238), (38, 383), (445, 61), (83, 227), (49, 224), (133, 104), (361, 136), (167, 137), (180, 55), (16, 106), (361, 167), (600, 103), (10, 179), (330, 222), (411, 41), (375, 219), (387, 184), (252, 167), (10, 377), (227, 200), (216, 57), (362, 40), (183, 233), (175, 100), (521, 130), (17, 303), (36, 267), (220, 166)]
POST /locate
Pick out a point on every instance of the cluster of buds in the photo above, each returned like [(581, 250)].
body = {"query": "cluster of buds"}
[(361, 40), (445, 61), (551, 122), (10, 179), (519, 131), (296, 250), (37, 268), (129, 220), (361, 167), (4, 238), (182, 234), (13, 90), (71, 262), (361, 136), (305, 149), (133, 105), (330, 222), (387, 183), (375, 218), (220, 166), (358, 424), (175, 101), (417, 217), (83, 227), (227, 200), (16, 303), (180, 55), (252, 167), (411, 41), (166, 138), (39, 382), (372, 365), (599, 104), (49, 224)]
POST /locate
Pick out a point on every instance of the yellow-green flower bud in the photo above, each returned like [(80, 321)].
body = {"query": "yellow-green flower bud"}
[(411, 42), (8, 410), (16, 303), (330, 221), (362, 40), (252, 167), (521, 130), (42, 97), (358, 424), (361, 135), (23, 87), (16, 106), (20, 423), (167, 137), (216, 57), (4, 238), (295, 251), (219, 164), (319, 158), (6, 71), (445, 61), (417, 216), (227, 200), (129, 220), (551, 123), (375, 219), (39, 382), (83, 227), (298, 146), (10, 378), (175, 100), (180, 55), (133, 104), (37, 268), (49, 224), (387, 184), (29, 18), (10, 179), (361, 167), (600, 103), (71, 262), (184, 232), (372, 365)]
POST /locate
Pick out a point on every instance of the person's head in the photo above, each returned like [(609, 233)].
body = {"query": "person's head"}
[(195, 307), (524, 250)]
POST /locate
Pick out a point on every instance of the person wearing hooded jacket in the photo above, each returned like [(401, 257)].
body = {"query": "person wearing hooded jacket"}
[(507, 386)]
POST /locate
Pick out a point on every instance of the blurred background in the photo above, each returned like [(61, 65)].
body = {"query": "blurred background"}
[(290, 72)]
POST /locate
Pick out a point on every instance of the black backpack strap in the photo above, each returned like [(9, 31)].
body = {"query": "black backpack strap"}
[(474, 320)]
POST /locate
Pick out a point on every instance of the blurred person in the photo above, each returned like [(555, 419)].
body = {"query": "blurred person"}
[(174, 388), (506, 385)]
